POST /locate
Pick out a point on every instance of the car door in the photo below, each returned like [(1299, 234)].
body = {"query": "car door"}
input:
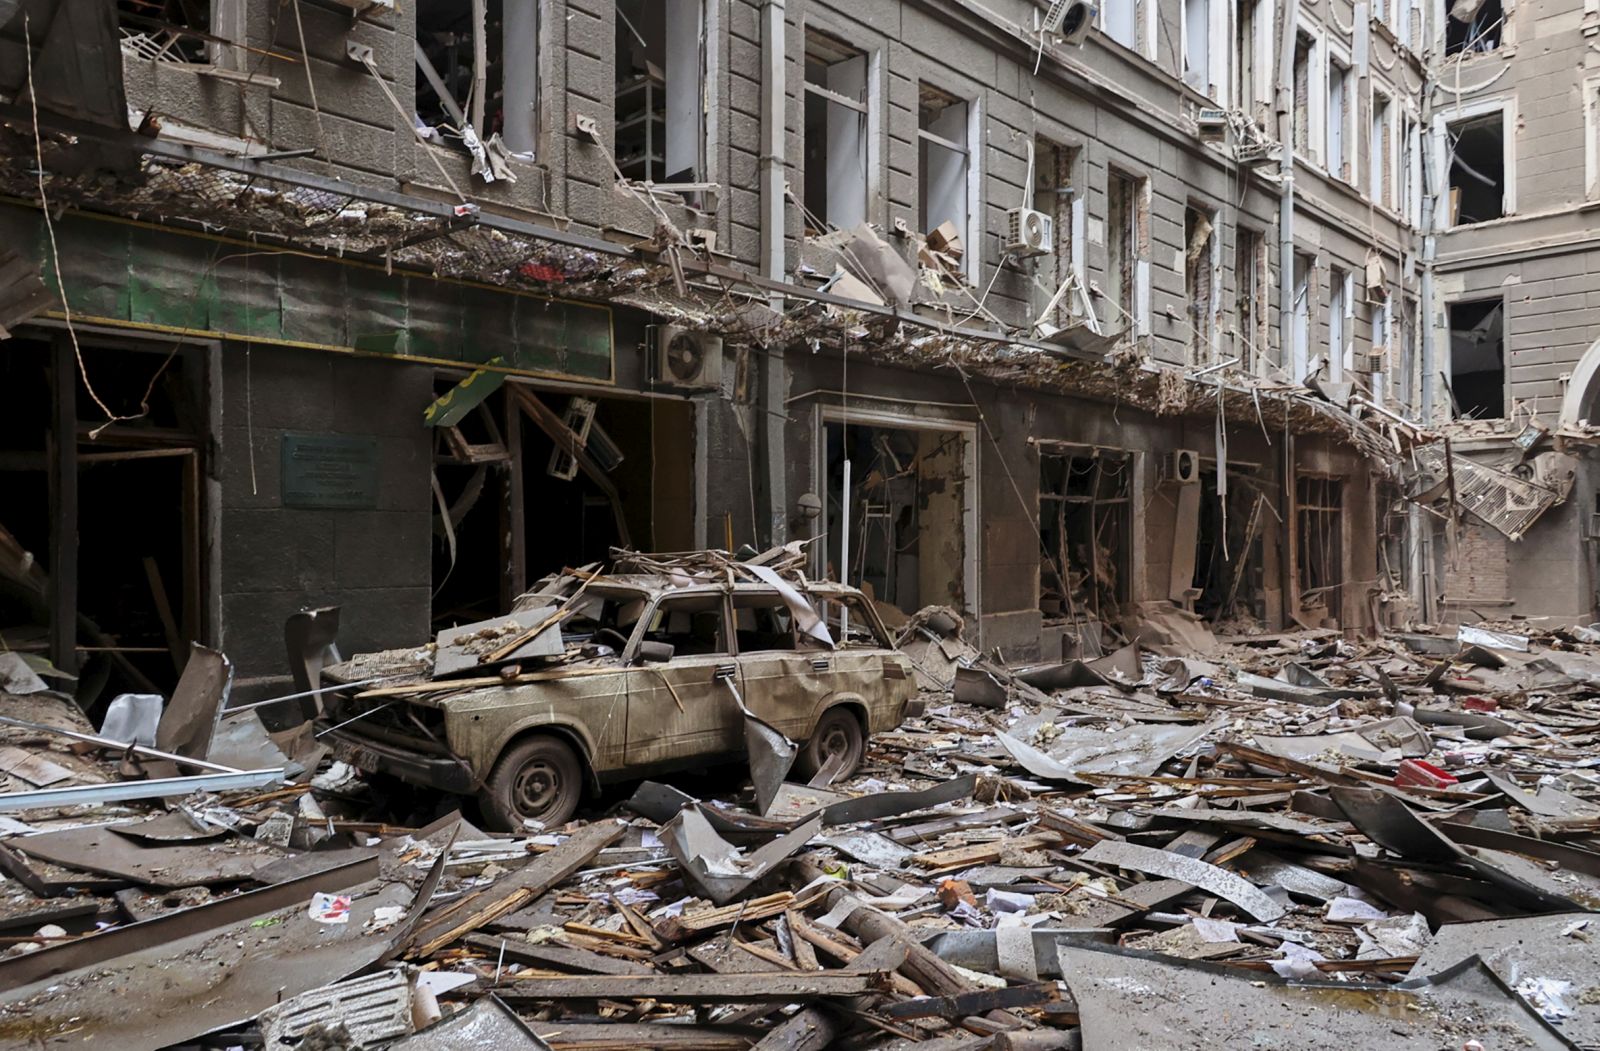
[(864, 662), (783, 685), (682, 709)]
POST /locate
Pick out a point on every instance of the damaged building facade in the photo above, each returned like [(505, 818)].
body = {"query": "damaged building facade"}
[(1017, 308)]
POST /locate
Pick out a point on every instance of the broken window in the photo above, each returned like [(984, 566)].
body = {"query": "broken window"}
[(1405, 14), (1477, 169), (1249, 59), (1304, 268), (1304, 45), (944, 170), (896, 527), (495, 96), (1085, 530), (1473, 26), (1052, 195), (691, 624), (1197, 45), (1380, 183), (1338, 318), (1477, 359), (835, 134), (1120, 22), (1405, 365), (1200, 280), (659, 130), (1319, 512), (1250, 296), (1229, 575), (762, 623), (1339, 110), (1123, 233), (166, 30), (1411, 171)]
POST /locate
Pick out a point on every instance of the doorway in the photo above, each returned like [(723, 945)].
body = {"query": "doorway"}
[(512, 506), (103, 538), (905, 528)]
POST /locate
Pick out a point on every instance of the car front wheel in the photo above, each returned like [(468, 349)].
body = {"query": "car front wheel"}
[(539, 779), (838, 734)]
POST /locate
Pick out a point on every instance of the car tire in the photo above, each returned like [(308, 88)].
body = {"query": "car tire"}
[(537, 779), (837, 731)]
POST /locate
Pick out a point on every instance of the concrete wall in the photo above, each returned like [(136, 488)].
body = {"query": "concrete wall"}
[(376, 564)]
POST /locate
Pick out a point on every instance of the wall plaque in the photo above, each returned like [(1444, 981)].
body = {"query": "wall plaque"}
[(337, 472)]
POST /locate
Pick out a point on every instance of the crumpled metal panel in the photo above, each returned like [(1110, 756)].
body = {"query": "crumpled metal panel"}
[(488, 1025), (1559, 946), (370, 1009), (1207, 877), (1130, 999)]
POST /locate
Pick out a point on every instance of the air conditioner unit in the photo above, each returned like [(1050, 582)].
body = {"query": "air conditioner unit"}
[(1182, 466), (1070, 19), (1212, 125), (1031, 233), (1376, 361), (686, 358)]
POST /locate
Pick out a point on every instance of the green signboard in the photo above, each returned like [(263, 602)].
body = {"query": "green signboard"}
[(140, 276)]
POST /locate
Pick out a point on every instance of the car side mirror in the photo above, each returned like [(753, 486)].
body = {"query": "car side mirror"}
[(656, 652)]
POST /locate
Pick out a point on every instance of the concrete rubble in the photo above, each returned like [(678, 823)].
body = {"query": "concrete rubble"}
[(1389, 842)]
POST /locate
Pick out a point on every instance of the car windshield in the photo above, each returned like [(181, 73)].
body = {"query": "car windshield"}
[(598, 612)]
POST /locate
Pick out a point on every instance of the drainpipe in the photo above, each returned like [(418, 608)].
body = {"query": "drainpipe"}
[(1285, 94), (1286, 198), (1421, 526), (520, 33), (774, 128)]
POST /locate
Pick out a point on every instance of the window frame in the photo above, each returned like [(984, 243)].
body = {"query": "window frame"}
[(868, 109), (1505, 107), (971, 150)]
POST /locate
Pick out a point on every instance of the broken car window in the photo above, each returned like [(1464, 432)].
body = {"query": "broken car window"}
[(691, 625), (761, 623)]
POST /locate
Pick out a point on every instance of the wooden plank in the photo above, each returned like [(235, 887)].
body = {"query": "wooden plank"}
[(677, 928), (961, 1005), (546, 956), (169, 626), (792, 987), (537, 877), (639, 1036)]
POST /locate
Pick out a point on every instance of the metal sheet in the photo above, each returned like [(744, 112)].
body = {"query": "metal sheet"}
[(1529, 947), (1207, 877), (370, 1009), (1130, 999), (1387, 821), (107, 945), (122, 791), (463, 647), (488, 1025), (1136, 751), (229, 974), (190, 719), (718, 868)]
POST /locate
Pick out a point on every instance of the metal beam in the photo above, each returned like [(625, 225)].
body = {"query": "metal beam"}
[(122, 791)]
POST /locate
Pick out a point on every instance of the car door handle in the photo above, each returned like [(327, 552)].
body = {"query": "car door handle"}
[(819, 664), (724, 671)]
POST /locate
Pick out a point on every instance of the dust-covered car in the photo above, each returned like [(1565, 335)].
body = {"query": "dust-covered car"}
[(651, 672)]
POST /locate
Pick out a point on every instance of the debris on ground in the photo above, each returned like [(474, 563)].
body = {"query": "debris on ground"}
[(1376, 843)]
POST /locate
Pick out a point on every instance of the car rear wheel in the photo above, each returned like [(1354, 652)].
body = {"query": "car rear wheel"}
[(539, 779), (838, 734)]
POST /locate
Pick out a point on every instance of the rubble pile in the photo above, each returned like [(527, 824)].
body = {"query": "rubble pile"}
[(1295, 841)]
